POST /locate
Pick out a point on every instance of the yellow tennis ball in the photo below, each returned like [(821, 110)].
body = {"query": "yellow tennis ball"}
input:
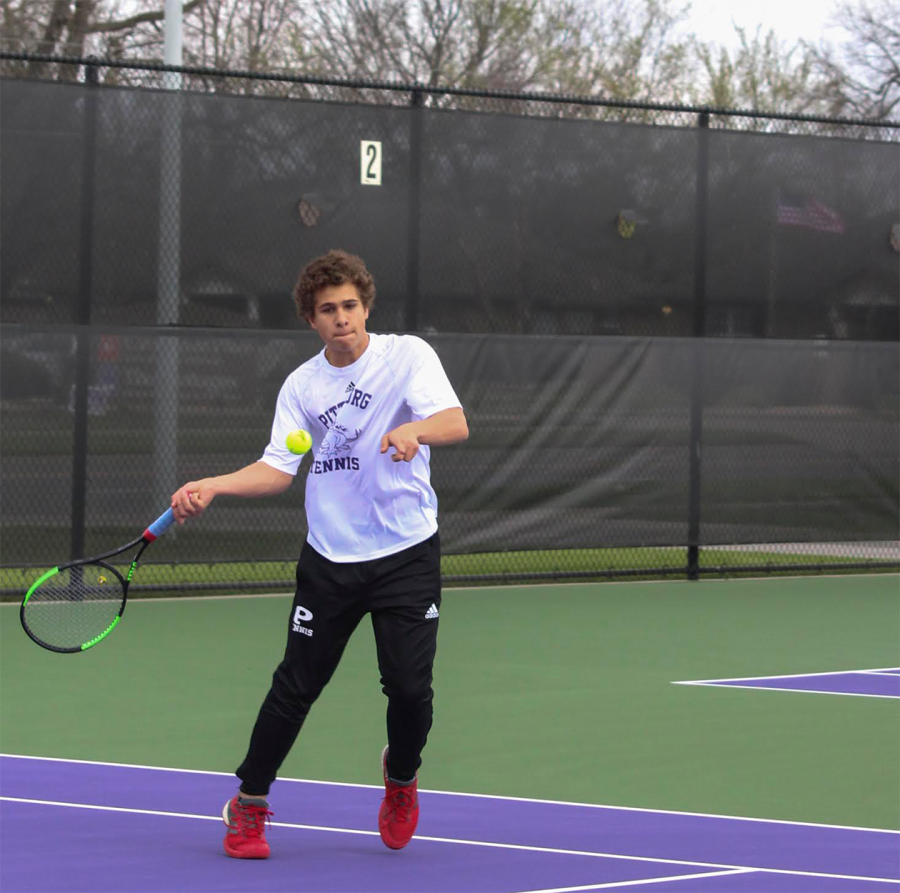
[(299, 441)]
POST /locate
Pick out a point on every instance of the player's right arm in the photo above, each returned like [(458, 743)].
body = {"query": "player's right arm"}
[(258, 479)]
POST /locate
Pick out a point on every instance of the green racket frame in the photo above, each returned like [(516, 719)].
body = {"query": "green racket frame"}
[(156, 529)]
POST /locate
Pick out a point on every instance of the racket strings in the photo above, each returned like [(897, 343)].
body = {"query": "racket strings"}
[(74, 606)]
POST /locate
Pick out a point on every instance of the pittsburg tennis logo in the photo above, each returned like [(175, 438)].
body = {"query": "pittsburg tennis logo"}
[(334, 451), (301, 615), (356, 398)]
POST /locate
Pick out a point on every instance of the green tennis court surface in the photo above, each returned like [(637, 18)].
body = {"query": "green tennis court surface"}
[(553, 692)]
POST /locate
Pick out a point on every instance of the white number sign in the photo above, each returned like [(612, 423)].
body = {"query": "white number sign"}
[(370, 163)]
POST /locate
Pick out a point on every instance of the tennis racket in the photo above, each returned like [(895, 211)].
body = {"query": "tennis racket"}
[(76, 605)]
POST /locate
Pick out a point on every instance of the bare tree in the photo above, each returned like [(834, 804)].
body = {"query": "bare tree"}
[(31, 25), (620, 49), (242, 34), (80, 27), (615, 49), (451, 42), (861, 77), (763, 74)]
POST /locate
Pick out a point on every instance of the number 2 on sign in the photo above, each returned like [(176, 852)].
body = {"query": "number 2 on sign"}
[(370, 163)]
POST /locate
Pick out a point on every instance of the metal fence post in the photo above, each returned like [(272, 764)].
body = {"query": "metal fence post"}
[(168, 295), (415, 212), (697, 346), (81, 313)]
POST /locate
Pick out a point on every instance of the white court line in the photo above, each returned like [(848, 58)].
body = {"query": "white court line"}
[(480, 843), (781, 676), (799, 691), (655, 880), (891, 672), (350, 784)]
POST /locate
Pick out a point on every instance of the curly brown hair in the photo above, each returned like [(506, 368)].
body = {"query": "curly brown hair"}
[(334, 268)]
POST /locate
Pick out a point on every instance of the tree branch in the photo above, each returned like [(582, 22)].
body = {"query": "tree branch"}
[(125, 24)]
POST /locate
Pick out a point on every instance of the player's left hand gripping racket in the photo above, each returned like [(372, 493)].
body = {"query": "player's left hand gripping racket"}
[(76, 605)]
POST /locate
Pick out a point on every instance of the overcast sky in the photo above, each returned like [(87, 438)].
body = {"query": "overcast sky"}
[(711, 20)]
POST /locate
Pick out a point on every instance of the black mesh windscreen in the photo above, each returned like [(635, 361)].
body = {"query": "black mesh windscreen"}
[(800, 442), (799, 242), (575, 442), (520, 226), (563, 269), (258, 188), (496, 223)]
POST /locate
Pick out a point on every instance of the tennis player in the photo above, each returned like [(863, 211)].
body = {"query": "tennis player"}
[(374, 405)]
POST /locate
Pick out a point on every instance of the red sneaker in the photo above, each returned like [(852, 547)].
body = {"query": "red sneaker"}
[(246, 837), (399, 813)]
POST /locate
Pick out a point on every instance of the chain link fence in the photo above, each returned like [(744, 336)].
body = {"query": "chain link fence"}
[(674, 330)]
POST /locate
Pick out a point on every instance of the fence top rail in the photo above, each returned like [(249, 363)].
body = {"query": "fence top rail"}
[(437, 90)]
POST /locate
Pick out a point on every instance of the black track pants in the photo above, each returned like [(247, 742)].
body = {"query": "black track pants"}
[(402, 592)]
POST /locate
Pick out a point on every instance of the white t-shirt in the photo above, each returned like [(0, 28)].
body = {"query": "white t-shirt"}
[(360, 504)]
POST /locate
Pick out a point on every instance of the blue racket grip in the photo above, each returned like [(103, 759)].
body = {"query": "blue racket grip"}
[(160, 525)]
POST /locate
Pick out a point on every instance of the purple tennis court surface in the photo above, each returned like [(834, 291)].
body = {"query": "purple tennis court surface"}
[(100, 827), (861, 683)]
